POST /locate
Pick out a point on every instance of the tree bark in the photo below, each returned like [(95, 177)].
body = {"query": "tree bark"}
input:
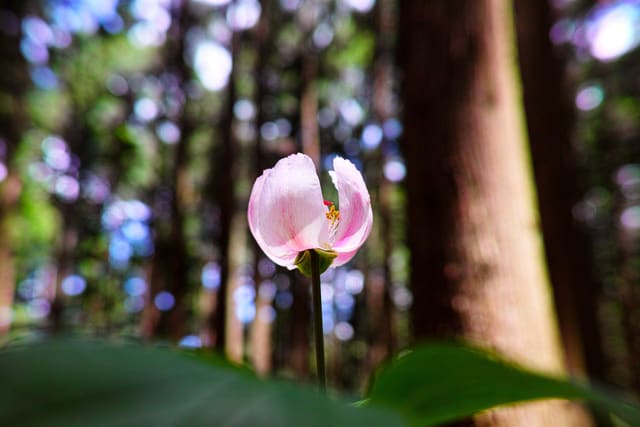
[(550, 120), (309, 135), (221, 183), (13, 85), (170, 262), (379, 282), (477, 266), (261, 330)]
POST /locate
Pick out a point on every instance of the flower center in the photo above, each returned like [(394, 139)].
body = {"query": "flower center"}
[(333, 215)]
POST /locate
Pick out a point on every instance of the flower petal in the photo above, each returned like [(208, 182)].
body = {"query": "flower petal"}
[(356, 216), (343, 258), (281, 256), (286, 210)]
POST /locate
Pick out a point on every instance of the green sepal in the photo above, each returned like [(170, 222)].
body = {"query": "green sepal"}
[(303, 260)]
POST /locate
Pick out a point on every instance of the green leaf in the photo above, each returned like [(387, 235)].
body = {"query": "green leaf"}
[(79, 383), (439, 382)]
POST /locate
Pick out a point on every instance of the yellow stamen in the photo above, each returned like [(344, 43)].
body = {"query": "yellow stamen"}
[(332, 215)]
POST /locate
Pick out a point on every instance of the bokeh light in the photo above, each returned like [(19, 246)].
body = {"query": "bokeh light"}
[(589, 97), (343, 331), (630, 218), (73, 285), (395, 170), (135, 286), (243, 14), (614, 29), (244, 109), (213, 65), (164, 301), (190, 341), (210, 276), (361, 6), (371, 136)]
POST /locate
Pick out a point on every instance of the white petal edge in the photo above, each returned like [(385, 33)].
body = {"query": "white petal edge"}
[(356, 216)]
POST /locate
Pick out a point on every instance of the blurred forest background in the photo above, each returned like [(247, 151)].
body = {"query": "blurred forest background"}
[(131, 133)]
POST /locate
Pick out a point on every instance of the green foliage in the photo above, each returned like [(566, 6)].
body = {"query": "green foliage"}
[(86, 70), (75, 383), (107, 111), (439, 383), (354, 47), (106, 384), (140, 157), (34, 224), (49, 109)]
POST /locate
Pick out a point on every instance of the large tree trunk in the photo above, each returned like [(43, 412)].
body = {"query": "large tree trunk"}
[(550, 122), (477, 266)]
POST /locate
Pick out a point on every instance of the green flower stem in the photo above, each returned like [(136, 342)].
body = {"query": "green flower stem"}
[(317, 319)]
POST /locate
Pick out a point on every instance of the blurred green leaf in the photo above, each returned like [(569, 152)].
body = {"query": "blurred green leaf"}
[(440, 382), (49, 109), (358, 52), (79, 383)]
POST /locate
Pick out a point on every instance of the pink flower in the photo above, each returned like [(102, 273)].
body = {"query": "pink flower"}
[(288, 215)]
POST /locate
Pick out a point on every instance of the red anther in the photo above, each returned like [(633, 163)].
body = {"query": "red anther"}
[(328, 203)]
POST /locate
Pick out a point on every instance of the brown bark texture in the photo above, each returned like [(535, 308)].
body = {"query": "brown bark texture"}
[(221, 184), (380, 305), (550, 120), (477, 265)]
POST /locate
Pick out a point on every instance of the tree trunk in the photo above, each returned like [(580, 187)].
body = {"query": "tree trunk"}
[(13, 84), (309, 136), (170, 262), (65, 259), (379, 282), (550, 122), (477, 266), (222, 185), (261, 330)]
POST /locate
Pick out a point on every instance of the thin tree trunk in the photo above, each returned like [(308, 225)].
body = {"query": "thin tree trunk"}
[(9, 192), (180, 182), (261, 338), (308, 69), (379, 291), (65, 257), (550, 122), (222, 184), (169, 270), (261, 331), (309, 108), (13, 85), (477, 266), (76, 133)]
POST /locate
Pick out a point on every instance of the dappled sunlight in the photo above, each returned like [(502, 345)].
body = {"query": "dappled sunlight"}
[(309, 188)]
